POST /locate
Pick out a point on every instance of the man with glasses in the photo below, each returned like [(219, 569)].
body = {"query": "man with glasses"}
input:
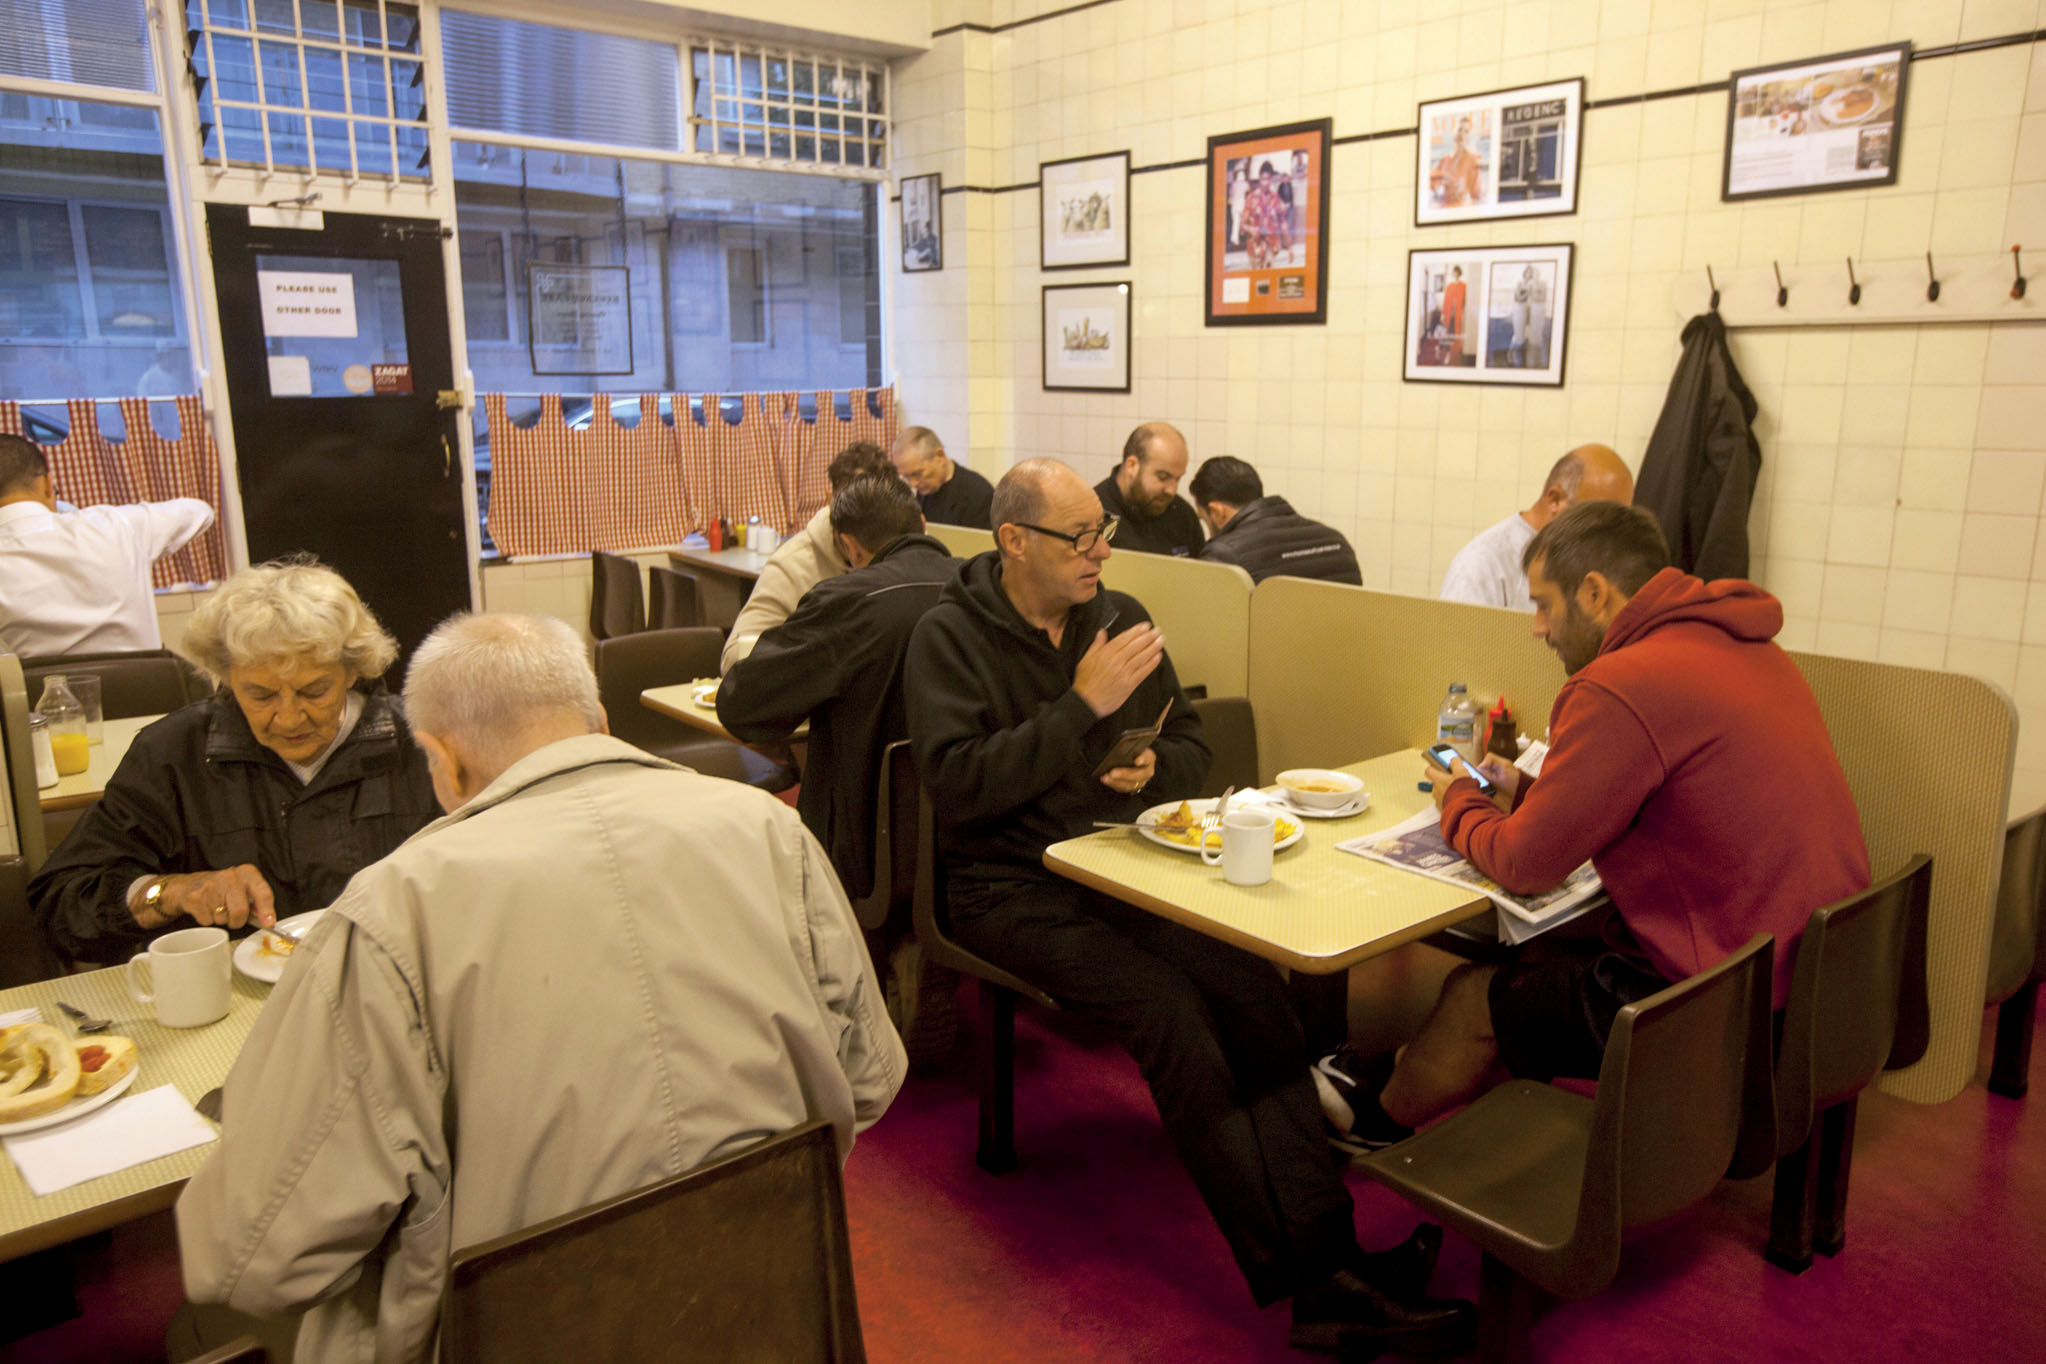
[(1019, 681)]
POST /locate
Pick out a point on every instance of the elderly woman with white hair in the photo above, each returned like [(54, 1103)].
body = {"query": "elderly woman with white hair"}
[(260, 801)]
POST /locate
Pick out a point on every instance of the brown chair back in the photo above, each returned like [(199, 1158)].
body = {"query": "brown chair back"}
[(2017, 949), (745, 1259), (671, 602), (1231, 732), (23, 822), (629, 664), (617, 606), (895, 841), (25, 954), (150, 682)]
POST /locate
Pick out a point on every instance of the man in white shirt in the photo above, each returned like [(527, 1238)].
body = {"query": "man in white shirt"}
[(1487, 571), (77, 582)]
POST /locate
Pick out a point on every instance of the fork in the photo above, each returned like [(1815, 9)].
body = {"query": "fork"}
[(82, 1020), (1212, 820), (290, 932)]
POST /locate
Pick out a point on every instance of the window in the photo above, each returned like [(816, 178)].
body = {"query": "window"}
[(504, 76), (853, 288), (39, 272), (131, 278), (92, 42), (787, 106), (485, 307), (746, 285)]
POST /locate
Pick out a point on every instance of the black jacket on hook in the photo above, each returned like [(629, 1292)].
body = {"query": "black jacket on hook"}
[(1698, 475)]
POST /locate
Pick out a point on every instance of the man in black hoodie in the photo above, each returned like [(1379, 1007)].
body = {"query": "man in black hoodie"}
[(1018, 683)]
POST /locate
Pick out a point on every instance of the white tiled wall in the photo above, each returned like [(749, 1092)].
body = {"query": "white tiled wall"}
[(1904, 475)]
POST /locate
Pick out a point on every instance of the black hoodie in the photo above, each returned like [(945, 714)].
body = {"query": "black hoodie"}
[(1004, 744)]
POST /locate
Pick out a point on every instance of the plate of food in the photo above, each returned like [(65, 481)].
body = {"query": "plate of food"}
[(1850, 104), (1173, 825), (705, 694), (46, 1078), (261, 955)]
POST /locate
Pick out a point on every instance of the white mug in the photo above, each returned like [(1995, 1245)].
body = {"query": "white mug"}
[(188, 973), (1246, 852)]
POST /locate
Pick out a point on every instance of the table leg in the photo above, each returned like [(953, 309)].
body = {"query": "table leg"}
[(1324, 1004)]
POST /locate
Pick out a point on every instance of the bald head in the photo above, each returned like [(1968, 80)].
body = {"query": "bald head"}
[(1590, 473), (1027, 489), (1153, 462)]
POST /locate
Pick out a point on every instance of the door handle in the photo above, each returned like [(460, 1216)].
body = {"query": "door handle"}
[(447, 399), (447, 458)]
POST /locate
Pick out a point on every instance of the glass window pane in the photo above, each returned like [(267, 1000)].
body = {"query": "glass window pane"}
[(330, 143), (131, 279), (485, 308), (372, 149), (288, 140), (379, 323), (234, 69), (280, 75), (39, 287), (408, 88), (324, 80), (220, 13), (366, 85), (275, 16), (319, 19)]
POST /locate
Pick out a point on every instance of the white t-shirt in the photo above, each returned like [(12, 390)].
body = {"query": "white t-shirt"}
[(77, 582), (1487, 571)]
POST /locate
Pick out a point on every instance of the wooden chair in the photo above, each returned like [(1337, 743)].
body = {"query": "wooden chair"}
[(629, 664), (2017, 953), (148, 682), (1548, 1182), (617, 606), (1231, 732), (1857, 1006), (671, 599), (744, 1259)]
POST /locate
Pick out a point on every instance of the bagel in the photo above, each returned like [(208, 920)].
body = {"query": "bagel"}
[(39, 1048), (102, 1061)]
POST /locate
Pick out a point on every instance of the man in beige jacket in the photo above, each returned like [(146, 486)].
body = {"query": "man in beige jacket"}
[(539, 1001), (805, 559)]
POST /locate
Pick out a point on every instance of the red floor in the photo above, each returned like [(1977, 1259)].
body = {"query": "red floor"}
[(1097, 1248)]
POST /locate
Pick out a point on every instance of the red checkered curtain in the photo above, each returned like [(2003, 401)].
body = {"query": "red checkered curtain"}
[(89, 470), (637, 496), (760, 484), (804, 470), (539, 482), (734, 466), (710, 459), (873, 416)]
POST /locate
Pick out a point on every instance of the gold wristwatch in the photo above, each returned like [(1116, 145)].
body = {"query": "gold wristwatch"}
[(153, 894)]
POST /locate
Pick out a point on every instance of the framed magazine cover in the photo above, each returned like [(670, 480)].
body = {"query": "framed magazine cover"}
[(1267, 226), (1826, 123), (1489, 315), (923, 223), (1505, 154), (1087, 338), (1084, 212)]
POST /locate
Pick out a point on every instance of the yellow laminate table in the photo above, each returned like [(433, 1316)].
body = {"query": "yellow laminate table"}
[(85, 788), (724, 579), (1323, 911), (193, 1059), (676, 703)]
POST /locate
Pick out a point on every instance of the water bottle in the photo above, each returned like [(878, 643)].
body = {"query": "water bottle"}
[(69, 743), (1456, 723)]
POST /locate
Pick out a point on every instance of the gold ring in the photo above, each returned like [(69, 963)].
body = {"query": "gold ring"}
[(220, 911)]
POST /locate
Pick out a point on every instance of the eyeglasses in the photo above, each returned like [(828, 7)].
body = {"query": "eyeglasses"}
[(1083, 541)]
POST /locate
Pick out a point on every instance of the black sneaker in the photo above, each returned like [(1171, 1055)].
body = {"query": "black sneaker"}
[(1349, 1086)]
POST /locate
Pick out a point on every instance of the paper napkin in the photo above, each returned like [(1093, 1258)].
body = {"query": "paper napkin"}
[(20, 1016), (132, 1129)]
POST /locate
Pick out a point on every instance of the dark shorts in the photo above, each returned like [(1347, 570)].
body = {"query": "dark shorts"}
[(1552, 1017)]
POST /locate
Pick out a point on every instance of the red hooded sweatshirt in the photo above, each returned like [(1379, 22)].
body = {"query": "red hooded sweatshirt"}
[(1690, 763)]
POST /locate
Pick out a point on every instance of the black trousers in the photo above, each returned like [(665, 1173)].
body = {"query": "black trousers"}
[(1215, 1034)]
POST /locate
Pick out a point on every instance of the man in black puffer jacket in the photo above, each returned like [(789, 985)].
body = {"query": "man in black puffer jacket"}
[(1262, 535)]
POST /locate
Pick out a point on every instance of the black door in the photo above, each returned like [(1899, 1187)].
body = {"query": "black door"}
[(336, 352)]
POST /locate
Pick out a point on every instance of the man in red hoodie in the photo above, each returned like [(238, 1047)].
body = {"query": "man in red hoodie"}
[(1688, 761)]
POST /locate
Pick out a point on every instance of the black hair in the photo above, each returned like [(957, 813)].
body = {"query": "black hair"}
[(1623, 543), (1228, 480), (875, 510)]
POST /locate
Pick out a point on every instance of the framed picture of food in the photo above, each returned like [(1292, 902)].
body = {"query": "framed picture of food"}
[(1087, 338), (1267, 226), (1827, 123), (1489, 314)]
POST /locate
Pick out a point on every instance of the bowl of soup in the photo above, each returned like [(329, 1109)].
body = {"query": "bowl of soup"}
[(1319, 788)]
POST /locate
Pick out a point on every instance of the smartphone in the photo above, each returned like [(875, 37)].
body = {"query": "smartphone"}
[(1130, 745), (1449, 760)]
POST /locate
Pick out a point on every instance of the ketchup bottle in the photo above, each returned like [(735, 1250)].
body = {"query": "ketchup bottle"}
[(1503, 732)]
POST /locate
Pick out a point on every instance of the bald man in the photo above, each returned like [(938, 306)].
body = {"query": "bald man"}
[(1143, 494), (1487, 571)]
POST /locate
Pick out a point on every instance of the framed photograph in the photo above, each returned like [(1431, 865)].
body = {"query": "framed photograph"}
[(1084, 202), (1087, 338), (1509, 154), (1828, 123), (923, 224), (1268, 226), (1488, 315), (579, 319)]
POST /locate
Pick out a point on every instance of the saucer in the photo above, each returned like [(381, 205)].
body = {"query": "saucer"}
[(1358, 805)]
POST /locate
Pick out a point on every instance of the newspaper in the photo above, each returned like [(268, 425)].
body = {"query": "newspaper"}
[(1417, 845)]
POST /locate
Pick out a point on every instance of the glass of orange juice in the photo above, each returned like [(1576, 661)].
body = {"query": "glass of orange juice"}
[(72, 751)]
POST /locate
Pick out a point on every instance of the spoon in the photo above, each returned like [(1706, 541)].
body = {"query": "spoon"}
[(84, 1021)]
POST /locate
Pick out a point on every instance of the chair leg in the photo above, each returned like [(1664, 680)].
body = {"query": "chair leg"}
[(1836, 1158), (997, 1153), (1506, 1305), (1790, 1211), (2012, 1061)]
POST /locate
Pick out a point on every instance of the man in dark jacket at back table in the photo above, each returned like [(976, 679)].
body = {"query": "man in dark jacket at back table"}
[(1143, 494), (1262, 535), (951, 494), (1019, 682), (837, 662)]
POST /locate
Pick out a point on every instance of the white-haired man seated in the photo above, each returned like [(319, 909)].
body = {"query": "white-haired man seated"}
[(597, 971)]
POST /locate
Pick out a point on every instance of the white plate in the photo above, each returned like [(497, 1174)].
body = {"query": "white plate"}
[(1200, 807), (705, 696), (252, 961), (1830, 107), (77, 1108), (1276, 797)]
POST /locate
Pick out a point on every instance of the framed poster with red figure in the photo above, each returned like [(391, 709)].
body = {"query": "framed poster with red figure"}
[(1268, 226)]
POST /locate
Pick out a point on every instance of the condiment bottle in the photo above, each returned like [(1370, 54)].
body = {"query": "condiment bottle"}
[(1504, 739), (39, 741), (70, 745)]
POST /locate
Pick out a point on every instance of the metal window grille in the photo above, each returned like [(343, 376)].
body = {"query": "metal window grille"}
[(322, 87), (780, 105)]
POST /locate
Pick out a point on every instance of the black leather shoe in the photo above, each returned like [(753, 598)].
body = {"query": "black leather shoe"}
[(1402, 1272), (1345, 1314)]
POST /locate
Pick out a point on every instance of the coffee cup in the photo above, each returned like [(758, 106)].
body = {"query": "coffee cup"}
[(1245, 854), (186, 975)]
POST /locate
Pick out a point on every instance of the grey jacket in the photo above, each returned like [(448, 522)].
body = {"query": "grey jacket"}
[(601, 972)]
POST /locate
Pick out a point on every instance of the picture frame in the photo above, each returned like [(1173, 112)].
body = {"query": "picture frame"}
[(1083, 211), (1086, 340), (1513, 153), (579, 318), (1267, 226), (1489, 314), (922, 223), (1820, 124)]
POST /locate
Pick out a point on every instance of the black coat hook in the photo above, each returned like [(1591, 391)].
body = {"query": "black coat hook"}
[(1715, 288), (1854, 291), (2017, 289), (1782, 292), (1932, 285)]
